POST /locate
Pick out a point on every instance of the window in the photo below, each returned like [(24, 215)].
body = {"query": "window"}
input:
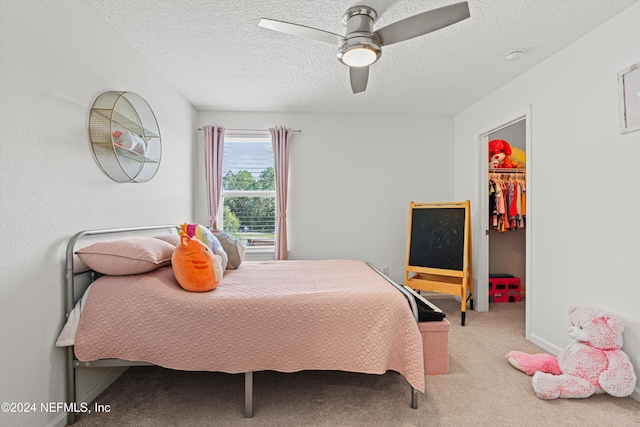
[(248, 189)]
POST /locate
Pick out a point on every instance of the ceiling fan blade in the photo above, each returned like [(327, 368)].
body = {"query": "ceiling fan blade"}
[(359, 77), (423, 23), (301, 31)]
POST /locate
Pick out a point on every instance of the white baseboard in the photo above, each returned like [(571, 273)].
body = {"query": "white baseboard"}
[(101, 386), (548, 346), (61, 419)]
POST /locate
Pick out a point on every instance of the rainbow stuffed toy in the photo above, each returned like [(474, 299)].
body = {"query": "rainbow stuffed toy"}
[(203, 234), (196, 268)]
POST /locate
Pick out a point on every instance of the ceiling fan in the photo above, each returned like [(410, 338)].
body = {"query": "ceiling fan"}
[(361, 46)]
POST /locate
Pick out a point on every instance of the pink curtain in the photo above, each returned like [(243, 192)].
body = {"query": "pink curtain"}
[(281, 138), (213, 146)]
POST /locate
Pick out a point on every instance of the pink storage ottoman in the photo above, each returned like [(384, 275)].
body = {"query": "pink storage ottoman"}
[(435, 346)]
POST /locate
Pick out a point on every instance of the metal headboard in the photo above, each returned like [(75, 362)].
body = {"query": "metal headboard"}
[(69, 276), (70, 297)]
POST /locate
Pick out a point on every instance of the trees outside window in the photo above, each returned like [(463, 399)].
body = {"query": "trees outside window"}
[(248, 190)]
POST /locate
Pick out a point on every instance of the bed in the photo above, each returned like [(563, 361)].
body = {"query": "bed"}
[(283, 316)]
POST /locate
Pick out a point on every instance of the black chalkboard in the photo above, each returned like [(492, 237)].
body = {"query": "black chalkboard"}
[(439, 250), (437, 237)]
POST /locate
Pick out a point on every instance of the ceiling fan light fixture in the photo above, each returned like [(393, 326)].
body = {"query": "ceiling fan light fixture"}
[(359, 57), (360, 48), (359, 52)]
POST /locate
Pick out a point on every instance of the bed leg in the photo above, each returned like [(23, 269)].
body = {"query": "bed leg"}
[(248, 394), (414, 398), (71, 386)]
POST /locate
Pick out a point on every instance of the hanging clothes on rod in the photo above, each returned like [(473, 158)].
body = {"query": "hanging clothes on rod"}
[(507, 199)]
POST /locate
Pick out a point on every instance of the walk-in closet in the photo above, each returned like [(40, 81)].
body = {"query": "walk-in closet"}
[(507, 214)]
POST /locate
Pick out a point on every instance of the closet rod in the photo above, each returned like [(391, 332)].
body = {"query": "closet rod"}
[(254, 130), (507, 170)]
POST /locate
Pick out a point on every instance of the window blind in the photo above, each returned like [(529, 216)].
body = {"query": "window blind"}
[(248, 189)]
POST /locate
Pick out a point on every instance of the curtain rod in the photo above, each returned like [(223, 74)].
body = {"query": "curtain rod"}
[(254, 130)]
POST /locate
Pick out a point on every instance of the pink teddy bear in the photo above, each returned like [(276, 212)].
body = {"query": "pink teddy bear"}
[(592, 364)]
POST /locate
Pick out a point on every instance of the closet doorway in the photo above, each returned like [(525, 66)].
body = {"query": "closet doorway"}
[(505, 244)]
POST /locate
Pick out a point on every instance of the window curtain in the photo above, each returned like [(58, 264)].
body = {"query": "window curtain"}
[(213, 146), (281, 139)]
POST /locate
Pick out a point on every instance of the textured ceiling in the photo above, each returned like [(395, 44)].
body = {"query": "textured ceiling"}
[(215, 54)]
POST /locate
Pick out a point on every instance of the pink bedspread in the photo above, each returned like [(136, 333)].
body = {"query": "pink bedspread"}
[(284, 316)]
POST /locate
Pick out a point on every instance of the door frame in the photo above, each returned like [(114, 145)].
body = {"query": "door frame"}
[(481, 237)]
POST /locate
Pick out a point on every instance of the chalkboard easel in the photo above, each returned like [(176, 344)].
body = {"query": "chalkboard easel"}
[(439, 250)]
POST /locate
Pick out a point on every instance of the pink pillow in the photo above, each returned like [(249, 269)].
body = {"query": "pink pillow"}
[(134, 255), (174, 239)]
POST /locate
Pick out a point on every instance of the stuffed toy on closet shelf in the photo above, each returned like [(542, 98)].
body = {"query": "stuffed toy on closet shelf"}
[(130, 141), (592, 364), (499, 152), (518, 158), (196, 267)]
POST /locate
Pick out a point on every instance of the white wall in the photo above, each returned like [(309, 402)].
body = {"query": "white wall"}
[(582, 197), (351, 180), (56, 57)]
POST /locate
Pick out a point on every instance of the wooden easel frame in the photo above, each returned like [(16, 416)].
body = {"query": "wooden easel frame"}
[(452, 282)]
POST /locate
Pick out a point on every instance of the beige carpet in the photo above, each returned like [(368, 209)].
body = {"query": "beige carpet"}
[(481, 389)]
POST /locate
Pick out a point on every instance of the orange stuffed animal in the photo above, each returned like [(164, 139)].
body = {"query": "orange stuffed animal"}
[(196, 268)]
